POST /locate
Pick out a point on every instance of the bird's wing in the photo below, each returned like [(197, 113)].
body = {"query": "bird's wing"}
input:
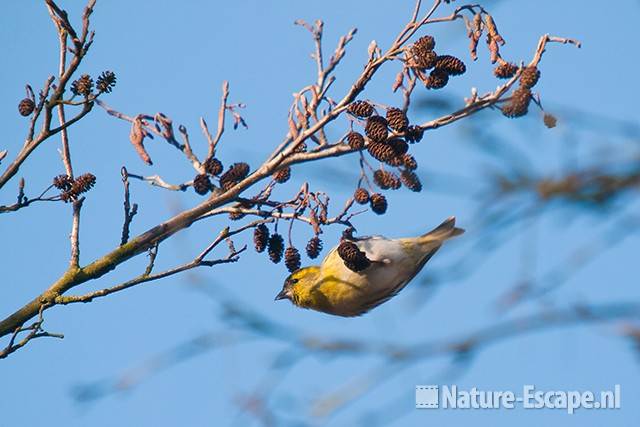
[(385, 295), (392, 267), (379, 249)]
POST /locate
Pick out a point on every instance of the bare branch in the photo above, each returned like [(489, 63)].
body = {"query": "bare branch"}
[(129, 211)]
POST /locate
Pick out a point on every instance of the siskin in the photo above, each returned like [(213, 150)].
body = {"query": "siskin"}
[(335, 289)]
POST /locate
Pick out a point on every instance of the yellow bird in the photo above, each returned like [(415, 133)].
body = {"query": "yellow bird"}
[(334, 288)]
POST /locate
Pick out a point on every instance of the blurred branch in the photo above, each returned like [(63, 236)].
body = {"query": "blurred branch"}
[(396, 356)]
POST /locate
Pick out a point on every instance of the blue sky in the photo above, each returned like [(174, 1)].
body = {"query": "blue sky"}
[(172, 58)]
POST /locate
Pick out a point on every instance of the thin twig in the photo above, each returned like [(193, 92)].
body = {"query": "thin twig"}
[(129, 211), (74, 262), (221, 116), (145, 277)]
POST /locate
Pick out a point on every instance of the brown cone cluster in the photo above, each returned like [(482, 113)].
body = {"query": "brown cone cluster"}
[(201, 184), (213, 166), (519, 103), (237, 172), (421, 54), (260, 237), (275, 248), (421, 57), (361, 196), (71, 189), (376, 128), (62, 182), (83, 86), (505, 70), (292, 259), (378, 203), (414, 134), (282, 175), (314, 247), (397, 119), (354, 259), (106, 82), (26, 107), (360, 108)]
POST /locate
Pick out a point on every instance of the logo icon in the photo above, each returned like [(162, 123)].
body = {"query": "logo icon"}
[(426, 396)]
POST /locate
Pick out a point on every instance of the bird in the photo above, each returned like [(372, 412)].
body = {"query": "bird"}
[(334, 288)]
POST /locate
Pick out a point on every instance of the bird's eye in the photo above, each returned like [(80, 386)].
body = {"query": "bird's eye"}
[(293, 281)]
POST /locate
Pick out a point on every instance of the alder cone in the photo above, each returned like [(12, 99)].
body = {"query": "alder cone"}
[(81, 184), (314, 247), (378, 203), (201, 184), (414, 134), (399, 146), (394, 161), (292, 259), (355, 140), (106, 82), (397, 119), (409, 162), (360, 108), (237, 172), (411, 181), (354, 259), (260, 237), (62, 182), (82, 86), (376, 128), (361, 196), (421, 54), (213, 166), (422, 59), (519, 104), (381, 151), (425, 43), (529, 77), (437, 79), (275, 248), (506, 70), (26, 107), (386, 180), (450, 65)]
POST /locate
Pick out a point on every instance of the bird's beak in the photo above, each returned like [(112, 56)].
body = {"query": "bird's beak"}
[(282, 295)]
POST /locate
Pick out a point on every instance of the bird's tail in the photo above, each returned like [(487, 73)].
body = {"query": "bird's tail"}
[(444, 231)]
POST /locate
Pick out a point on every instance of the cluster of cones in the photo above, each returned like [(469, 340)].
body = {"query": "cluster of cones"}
[(420, 58), (213, 169), (72, 188), (273, 243), (387, 140)]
